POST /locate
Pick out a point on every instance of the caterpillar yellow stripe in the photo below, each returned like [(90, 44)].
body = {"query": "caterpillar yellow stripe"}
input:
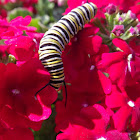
[(55, 39)]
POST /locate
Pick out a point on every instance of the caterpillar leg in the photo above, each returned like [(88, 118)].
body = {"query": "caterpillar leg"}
[(40, 90), (65, 92)]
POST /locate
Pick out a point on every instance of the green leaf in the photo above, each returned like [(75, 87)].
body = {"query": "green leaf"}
[(2, 41), (10, 6), (47, 131), (45, 7), (35, 22), (106, 74), (18, 12), (45, 19)]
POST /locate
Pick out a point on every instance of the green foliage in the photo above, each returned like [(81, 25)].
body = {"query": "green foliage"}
[(10, 6), (47, 131), (2, 42), (44, 7), (48, 13), (18, 12), (35, 22), (45, 11)]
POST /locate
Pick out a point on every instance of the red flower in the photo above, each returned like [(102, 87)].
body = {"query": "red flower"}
[(101, 5), (21, 23), (110, 9), (75, 104), (21, 47), (116, 135), (79, 70), (135, 45), (16, 133), (13, 125), (111, 100), (78, 132), (15, 27), (29, 2), (136, 9), (3, 13), (18, 86), (35, 35), (3, 50), (100, 118), (119, 65), (79, 98), (80, 58), (11, 119), (91, 116), (6, 1), (36, 38), (118, 30), (127, 112), (126, 104)]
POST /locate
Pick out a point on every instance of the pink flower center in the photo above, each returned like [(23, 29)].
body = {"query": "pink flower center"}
[(85, 105), (118, 30), (92, 67), (15, 91)]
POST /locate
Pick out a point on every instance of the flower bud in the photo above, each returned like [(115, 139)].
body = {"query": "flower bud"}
[(11, 59), (132, 31), (138, 28), (118, 19), (118, 30), (132, 15), (129, 18), (110, 9)]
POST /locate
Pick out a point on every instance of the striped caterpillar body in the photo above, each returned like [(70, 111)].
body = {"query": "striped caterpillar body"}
[(55, 39)]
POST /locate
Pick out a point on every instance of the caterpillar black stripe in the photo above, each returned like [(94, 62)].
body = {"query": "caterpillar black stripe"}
[(55, 39)]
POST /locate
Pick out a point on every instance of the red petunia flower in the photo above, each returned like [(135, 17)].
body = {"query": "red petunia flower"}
[(16, 133), (136, 9), (35, 35), (21, 23), (36, 38), (101, 5), (21, 47), (3, 13), (15, 27), (126, 105), (74, 111), (19, 85), (11, 119), (80, 58), (122, 65), (128, 116), (100, 119)]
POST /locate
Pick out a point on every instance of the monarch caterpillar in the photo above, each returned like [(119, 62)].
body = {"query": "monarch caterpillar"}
[(54, 40)]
